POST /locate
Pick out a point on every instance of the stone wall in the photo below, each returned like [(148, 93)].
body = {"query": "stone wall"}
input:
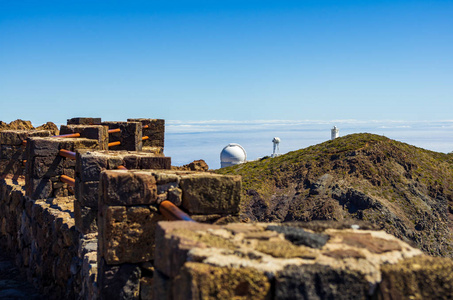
[(45, 166), (90, 164), (128, 216), (41, 235), (155, 131), (12, 150), (292, 261)]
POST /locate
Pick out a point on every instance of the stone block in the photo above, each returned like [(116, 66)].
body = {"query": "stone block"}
[(206, 193), (90, 164), (114, 162), (38, 188), (127, 234), (157, 163), (130, 135), (202, 281), (320, 282), (38, 146), (155, 131), (92, 132), (85, 218), (119, 282), (131, 162), (84, 121), (87, 193), (172, 246), (127, 188), (47, 166), (13, 137), (420, 277), (82, 143)]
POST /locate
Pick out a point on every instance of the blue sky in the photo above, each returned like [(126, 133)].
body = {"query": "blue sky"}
[(226, 60)]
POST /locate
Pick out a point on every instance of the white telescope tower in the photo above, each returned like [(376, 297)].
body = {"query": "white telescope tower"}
[(276, 142), (335, 132)]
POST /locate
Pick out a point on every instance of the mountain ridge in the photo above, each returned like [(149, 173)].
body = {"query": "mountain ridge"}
[(405, 190)]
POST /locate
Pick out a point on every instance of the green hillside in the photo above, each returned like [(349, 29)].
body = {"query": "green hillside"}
[(405, 190)]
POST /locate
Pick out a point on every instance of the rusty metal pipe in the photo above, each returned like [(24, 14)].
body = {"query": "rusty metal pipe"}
[(145, 138), (114, 130), (69, 135), (114, 144), (121, 168), (67, 154), (172, 213), (66, 179)]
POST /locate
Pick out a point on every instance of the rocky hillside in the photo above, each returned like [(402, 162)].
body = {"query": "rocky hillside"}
[(405, 190)]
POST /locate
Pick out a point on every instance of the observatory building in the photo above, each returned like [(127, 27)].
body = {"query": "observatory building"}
[(232, 154), (335, 132), (276, 141)]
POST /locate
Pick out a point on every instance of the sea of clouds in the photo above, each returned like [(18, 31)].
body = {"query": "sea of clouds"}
[(186, 141)]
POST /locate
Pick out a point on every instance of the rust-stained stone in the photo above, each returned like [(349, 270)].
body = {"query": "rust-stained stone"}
[(420, 277), (127, 233), (373, 244), (128, 188), (201, 281), (205, 193)]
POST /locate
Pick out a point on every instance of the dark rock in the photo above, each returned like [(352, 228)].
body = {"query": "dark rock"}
[(298, 236), (319, 282), (120, 282)]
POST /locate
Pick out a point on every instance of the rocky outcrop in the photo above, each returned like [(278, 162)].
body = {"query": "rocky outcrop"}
[(26, 125), (196, 165)]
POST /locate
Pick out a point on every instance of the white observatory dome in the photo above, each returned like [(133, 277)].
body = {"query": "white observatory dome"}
[(232, 154)]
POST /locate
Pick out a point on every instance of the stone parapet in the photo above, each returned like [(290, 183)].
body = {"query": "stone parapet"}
[(90, 164), (278, 261), (128, 216), (84, 121), (154, 129), (45, 166), (130, 135), (92, 132), (42, 238), (12, 151)]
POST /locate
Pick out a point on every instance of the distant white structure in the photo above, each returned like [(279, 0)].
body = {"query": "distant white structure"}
[(232, 154), (276, 142), (335, 132)]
